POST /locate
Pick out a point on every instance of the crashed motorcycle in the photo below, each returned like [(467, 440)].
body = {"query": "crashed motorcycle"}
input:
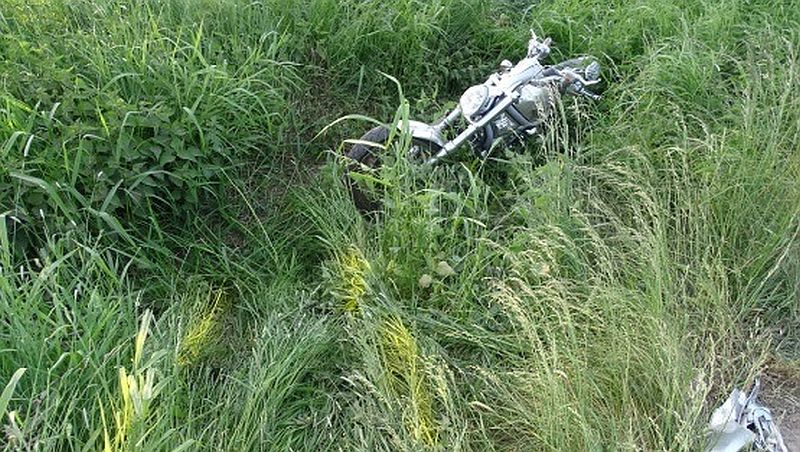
[(512, 105)]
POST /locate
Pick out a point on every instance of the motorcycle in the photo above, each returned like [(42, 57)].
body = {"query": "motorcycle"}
[(512, 105)]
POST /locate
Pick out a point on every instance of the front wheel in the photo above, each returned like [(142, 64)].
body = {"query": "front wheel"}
[(364, 157)]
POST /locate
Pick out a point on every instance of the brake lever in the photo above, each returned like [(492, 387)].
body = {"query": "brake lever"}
[(576, 76), (578, 84), (577, 87)]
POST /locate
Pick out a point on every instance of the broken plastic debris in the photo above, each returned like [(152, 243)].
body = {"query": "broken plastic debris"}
[(741, 423), (727, 435)]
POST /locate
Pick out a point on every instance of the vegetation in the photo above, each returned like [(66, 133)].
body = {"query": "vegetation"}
[(181, 267)]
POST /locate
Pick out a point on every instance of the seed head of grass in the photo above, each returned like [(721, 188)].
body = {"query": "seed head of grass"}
[(351, 282), (403, 366), (204, 330)]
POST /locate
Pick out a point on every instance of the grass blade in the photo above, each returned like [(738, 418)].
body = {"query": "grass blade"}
[(9, 390)]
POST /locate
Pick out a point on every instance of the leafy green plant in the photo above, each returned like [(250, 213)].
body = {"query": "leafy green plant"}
[(128, 129)]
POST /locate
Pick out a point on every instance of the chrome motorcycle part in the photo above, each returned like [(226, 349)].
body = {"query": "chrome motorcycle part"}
[(474, 102), (535, 102), (425, 132), (456, 142), (538, 49), (524, 72)]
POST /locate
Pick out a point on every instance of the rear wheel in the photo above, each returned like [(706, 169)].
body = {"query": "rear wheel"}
[(364, 157)]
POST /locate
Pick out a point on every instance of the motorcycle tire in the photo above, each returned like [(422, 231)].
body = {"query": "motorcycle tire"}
[(361, 156)]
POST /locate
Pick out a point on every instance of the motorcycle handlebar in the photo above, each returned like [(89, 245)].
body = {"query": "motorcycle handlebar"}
[(574, 82), (538, 49), (586, 93)]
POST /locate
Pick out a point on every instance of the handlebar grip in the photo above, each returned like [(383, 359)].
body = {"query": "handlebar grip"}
[(579, 88), (591, 95)]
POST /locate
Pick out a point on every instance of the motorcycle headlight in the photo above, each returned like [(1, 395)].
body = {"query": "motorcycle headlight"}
[(474, 101)]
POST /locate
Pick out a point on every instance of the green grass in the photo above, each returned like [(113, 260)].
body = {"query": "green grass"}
[(181, 268)]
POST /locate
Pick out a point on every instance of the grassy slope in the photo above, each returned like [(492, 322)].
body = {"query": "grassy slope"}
[(605, 290)]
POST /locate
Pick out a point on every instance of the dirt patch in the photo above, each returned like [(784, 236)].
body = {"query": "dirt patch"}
[(781, 394)]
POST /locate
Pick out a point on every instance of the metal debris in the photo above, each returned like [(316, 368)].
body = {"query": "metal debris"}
[(741, 423)]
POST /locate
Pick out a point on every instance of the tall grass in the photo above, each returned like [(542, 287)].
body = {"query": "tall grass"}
[(602, 289)]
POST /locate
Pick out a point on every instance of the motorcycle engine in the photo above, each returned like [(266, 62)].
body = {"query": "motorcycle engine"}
[(535, 102)]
